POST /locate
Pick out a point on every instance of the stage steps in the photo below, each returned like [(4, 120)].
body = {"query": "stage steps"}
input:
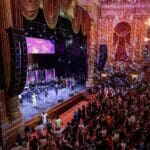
[(87, 95)]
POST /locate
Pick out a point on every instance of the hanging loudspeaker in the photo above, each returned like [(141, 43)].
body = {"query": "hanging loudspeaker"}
[(18, 55), (102, 56)]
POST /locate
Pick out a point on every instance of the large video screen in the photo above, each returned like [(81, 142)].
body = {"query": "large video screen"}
[(40, 46)]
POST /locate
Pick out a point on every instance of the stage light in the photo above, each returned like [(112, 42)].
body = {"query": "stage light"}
[(146, 39), (103, 75), (26, 33), (44, 30), (59, 59)]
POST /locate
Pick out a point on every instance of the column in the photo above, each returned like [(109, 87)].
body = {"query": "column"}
[(9, 107), (2, 107), (110, 38), (137, 38), (13, 108), (91, 51)]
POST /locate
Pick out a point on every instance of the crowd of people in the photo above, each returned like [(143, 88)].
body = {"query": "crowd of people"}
[(116, 119)]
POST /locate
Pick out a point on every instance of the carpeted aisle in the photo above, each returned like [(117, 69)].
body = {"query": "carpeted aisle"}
[(68, 115)]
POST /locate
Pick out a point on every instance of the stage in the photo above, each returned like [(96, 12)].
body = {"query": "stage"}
[(46, 103)]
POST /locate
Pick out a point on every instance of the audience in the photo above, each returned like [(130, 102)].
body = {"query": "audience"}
[(116, 119)]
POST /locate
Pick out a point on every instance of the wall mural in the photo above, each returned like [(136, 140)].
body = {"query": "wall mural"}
[(121, 40)]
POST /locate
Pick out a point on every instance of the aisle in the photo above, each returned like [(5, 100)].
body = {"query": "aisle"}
[(68, 115)]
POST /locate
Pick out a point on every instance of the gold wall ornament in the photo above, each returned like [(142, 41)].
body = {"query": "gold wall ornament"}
[(133, 14), (70, 10), (91, 51), (13, 107)]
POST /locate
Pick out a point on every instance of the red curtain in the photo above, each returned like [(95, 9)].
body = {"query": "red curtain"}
[(65, 4), (121, 40), (86, 22), (51, 9), (76, 22), (30, 8), (16, 13)]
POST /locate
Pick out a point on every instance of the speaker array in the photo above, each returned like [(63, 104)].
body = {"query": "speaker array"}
[(102, 56), (18, 55)]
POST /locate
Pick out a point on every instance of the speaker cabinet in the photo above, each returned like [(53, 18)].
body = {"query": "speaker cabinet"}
[(18, 55), (102, 56)]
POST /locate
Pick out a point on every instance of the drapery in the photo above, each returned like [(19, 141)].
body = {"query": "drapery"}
[(16, 13), (121, 39), (30, 8), (68, 6), (51, 9), (86, 22), (65, 4), (76, 22)]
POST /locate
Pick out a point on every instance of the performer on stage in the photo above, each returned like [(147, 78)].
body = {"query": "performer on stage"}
[(34, 100), (46, 93), (69, 82), (72, 83), (20, 99), (56, 88)]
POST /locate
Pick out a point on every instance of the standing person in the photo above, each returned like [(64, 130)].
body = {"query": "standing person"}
[(73, 83), (46, 94), (56, 88), (69, 82), (58, 122), (44, 118), (34, 100)]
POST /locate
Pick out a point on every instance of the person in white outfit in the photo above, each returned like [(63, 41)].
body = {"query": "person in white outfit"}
[(44, 118), (34, 101)]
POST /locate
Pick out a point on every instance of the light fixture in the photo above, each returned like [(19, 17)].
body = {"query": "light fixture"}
[(146, 39), (26, 33), (148, 22), (103, 75), (134, 75)]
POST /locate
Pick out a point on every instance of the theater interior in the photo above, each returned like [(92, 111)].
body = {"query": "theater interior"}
[(74, 74)]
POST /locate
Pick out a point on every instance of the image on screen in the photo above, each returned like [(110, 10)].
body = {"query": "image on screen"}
[(40, 46)]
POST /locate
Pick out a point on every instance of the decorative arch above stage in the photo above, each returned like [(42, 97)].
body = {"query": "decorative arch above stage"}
[(121, 40)]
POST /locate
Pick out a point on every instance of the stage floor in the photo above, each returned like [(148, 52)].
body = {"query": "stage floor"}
[(44, 103)]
